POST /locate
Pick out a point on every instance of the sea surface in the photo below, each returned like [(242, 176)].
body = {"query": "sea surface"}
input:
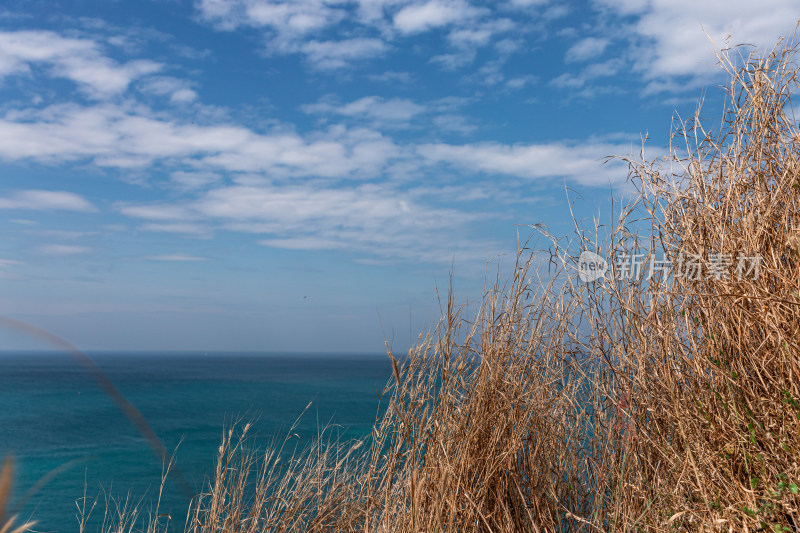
[(60, 426)]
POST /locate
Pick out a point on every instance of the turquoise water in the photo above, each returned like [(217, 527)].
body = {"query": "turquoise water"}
[(53, 415)]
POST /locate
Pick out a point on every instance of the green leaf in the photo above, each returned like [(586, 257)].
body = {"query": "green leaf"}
[(793, 488)]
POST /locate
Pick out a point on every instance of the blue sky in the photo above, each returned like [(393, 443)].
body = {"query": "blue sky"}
[(270, 175)]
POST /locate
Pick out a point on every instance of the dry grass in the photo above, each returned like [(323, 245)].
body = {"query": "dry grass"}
[(7, 520), (635, 404), (709, 368)]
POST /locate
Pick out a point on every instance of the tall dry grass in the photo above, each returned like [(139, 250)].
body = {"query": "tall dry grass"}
[(482, 431), (637, 403), (706, 362), (8, 519)]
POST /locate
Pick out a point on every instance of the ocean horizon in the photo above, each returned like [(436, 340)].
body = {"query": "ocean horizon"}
[(59, 425)]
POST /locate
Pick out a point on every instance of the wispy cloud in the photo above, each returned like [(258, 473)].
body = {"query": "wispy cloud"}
[(417, 18), (374, 108), (328, 55), (194, 179), (354, 183), (79, 60), (392, 76), (372, 219), (593, 71), (179, 91), (455, 124), (113, 136), (667, 41), (291, 26), (287, 18), (334, 35), (45, 200), (577, 163), (587, 48), (7, 267)]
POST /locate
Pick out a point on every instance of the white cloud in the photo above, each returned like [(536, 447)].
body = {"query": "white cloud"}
[(376, 220), (591, 72), (469, 37), (338, 153), (333, 34), (296, 16), (45, 200), (113, 136), (371, 219), (666, 37), (179, 91), (454, 123), (587, 48), (285, 17), (79, 60), (396, 113), (392, 76), (432, 14), (329, 55), (385, 219), (371, 107), (578, 163), (67, 132), (453, 61), (193, 180), (110, 135), (520, 82), (291, 189), (491, 72), (290, 25)]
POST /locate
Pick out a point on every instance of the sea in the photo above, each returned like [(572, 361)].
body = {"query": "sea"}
[(72, 444)]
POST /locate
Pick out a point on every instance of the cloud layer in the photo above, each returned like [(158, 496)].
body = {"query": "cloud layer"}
[(79, 60), (351, 179), (41, 200)]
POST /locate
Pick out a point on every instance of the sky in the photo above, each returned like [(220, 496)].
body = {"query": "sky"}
[(267, 175)]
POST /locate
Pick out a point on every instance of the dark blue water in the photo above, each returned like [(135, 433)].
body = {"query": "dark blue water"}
[(53, 415)]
